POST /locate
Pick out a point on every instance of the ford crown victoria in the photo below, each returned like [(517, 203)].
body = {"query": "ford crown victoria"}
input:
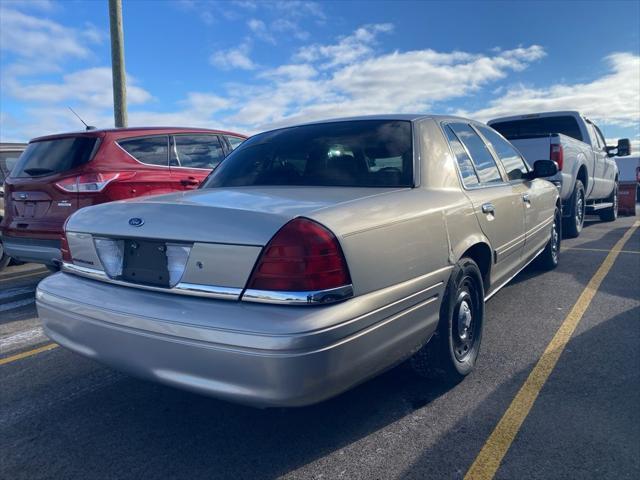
[(313, 258)]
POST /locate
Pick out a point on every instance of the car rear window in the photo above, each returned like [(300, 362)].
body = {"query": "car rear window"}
[(539, 127), (54, 156), (359, 153)]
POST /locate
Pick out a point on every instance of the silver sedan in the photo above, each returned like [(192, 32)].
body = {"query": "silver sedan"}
[(312, 259)]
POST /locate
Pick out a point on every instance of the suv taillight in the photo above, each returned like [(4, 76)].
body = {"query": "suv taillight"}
[(303, 256), (92, 182), (557, 155)]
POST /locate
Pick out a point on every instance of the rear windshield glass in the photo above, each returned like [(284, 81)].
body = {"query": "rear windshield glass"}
[(363, 153), (54, 156), (539, 127)]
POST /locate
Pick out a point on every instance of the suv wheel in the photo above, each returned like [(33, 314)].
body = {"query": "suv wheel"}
[(4, 259)]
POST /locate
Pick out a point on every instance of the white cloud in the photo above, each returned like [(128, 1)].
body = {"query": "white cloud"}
[(41, 39), (368, 83), (237, 57), (92, 86), (613, 98), (349, 49), (260, 30)]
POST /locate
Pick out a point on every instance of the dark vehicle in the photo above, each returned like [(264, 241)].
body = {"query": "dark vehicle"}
[(59, 174)]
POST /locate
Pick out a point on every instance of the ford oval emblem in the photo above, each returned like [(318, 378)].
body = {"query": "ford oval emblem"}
[(136, 222)]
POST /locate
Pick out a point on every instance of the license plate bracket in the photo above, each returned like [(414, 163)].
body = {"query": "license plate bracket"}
[(145, 262)]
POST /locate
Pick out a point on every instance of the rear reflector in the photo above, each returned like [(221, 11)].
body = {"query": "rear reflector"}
[(303, 256), (92, 182)]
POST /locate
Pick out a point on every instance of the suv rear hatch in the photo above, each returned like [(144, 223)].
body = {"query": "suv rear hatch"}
[(35, 204)]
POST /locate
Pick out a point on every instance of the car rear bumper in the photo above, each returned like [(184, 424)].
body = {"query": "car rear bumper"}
[(26, 249), (256, 354)]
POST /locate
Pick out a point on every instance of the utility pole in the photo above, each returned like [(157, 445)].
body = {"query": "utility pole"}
[(117, 64)]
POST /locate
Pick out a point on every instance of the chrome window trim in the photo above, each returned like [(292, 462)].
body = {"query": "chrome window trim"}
[(182, 288), (317, 297)]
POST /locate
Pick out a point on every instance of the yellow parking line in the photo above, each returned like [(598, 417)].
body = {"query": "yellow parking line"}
[(599, 250), (28, 353), (495, 448)]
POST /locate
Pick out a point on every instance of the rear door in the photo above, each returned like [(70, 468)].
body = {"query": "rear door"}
[(498, 204), (538, 205), (35, 202), (150, 160), (192, 157)]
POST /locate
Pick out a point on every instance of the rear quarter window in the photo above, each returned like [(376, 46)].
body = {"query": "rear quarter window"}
[(54, 156), (149, 150)]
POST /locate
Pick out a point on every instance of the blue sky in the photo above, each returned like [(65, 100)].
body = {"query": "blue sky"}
[(251, 65)]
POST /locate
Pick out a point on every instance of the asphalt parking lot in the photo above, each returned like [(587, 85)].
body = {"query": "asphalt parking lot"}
[(63, 416)]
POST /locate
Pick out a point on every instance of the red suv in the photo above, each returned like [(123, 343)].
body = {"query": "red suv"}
[(58, 174)]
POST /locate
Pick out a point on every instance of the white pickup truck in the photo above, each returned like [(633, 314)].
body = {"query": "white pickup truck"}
[(587, 176)]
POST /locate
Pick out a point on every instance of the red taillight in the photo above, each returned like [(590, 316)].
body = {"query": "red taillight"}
[(303, 256), (557, 155), (92, 182)]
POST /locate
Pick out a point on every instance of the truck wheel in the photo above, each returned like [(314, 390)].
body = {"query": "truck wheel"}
[(548, 259), (610, 214), (453, 350), (573, 224)]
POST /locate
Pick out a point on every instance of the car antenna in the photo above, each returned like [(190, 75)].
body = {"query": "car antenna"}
[(88, 127)]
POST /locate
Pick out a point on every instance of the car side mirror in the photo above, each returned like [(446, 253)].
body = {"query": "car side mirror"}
[(544, 168), (624, 147)]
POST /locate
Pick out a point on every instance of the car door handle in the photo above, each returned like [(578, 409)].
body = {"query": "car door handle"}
[(488, 208), (526, 198), (189, 182)]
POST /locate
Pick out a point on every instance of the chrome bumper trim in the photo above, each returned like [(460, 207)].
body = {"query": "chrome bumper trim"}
[(299, 298), (182, 288)]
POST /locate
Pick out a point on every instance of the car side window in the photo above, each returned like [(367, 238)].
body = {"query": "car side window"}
[(150, 150), (481, 157), (196, 151), (234, 141), (467, 171), (513, 163)]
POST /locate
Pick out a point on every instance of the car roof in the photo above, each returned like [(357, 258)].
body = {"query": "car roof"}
[(525, 116), (407, 117), (99, 132)]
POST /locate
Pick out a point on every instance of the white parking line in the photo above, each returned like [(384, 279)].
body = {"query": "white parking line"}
[(22, 339)]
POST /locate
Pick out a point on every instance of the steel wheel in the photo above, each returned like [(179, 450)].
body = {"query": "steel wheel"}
[(464, 327)]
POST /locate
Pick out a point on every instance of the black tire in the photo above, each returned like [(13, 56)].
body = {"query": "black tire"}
[(577, 208), (452, 352), (550, 256), (611, 214), (4, 261)]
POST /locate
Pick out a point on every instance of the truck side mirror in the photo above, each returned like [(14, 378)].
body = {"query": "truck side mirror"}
[(544, 168), (624, 147)]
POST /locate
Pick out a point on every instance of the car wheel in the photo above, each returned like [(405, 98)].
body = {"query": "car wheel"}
[(453, 350), (4, 259), (573, 224), (611, 214), (548, 259)]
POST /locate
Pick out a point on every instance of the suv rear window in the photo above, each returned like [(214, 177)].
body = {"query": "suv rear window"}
[(359, 153), (538, 127), (54, 156)]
